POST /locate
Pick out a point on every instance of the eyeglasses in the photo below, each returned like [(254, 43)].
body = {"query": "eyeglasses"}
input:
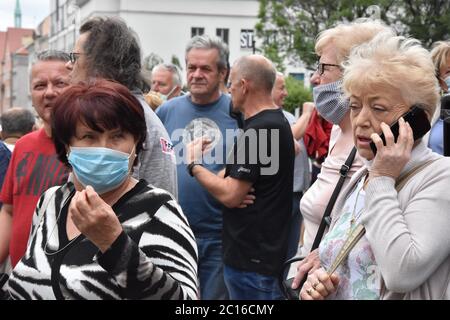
[(321, 67), (73, 56)]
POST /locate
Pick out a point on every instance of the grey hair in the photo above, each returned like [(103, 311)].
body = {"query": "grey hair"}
[(17, 120), (176, 74), (112, 51), (207, 42), (346, 36), (257, 69), (51, 55), (48, 55), (440, 54)]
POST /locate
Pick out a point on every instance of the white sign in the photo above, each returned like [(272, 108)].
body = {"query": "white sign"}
[(246, 38)]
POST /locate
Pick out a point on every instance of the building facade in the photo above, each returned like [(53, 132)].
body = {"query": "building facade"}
[(163, 27), (14, 87)]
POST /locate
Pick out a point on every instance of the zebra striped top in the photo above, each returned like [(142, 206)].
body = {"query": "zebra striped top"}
[(155, 257)]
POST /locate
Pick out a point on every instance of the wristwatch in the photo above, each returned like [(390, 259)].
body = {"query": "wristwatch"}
[(191, 166)]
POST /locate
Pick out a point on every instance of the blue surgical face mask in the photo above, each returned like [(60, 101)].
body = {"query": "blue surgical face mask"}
[(330, 102), (102, 168)]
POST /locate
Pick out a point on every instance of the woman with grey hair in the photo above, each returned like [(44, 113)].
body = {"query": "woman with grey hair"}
[(396, 198)]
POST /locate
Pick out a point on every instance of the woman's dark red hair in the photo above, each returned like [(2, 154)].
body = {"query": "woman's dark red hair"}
[(101, 105)]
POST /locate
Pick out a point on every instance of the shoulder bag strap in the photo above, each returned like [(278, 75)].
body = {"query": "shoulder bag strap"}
[(403, 179), (359, 231), (326, 220)]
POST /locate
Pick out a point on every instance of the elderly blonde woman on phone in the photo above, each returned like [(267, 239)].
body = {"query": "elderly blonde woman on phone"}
[(333, 47), (404, 253)]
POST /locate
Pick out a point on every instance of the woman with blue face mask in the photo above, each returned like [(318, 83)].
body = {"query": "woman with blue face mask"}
[(104, 235), (441, 58), (333, 47)]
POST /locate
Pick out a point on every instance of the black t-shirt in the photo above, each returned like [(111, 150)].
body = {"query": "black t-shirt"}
[(255, 238)]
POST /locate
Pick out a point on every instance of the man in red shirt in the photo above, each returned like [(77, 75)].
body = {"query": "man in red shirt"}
[(34, 166)]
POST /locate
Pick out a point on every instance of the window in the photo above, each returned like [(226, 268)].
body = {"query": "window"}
[(223, 34), (299, 76), (196, 31)]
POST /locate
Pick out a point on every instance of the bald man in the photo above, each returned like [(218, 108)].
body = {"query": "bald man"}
[(255, 236)]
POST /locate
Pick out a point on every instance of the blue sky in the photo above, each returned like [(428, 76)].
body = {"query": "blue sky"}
[(33, 12)]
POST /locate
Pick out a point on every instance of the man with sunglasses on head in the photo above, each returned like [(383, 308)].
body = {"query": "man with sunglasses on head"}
[(34, 166), (107, 48)]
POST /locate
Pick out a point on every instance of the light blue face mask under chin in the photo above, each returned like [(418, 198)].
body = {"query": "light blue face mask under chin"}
[(102, 168), (165, 97)]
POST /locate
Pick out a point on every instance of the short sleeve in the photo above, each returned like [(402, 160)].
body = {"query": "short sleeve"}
[(244, 165)]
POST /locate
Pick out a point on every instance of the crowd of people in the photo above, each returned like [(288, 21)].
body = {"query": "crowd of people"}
[(135, 189)]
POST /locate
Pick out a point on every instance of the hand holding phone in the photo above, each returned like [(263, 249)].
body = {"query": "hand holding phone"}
[(418, 121)]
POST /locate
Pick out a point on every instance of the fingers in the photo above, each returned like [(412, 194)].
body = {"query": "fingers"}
[(81, 203), (206, 144), (377, 141), (310, 289), (74, 211), (335, 279), (248, 199), (309, 293), (245, 203), (402, 140), (302, 268), (410, 133), (319, 285), (388, 136), (307, 265), (205, 140), (325, 280), (406, 135), (92, 197), (308, 107)]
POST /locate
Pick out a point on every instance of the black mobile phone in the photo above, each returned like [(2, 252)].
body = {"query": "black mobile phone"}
[(418, 121)]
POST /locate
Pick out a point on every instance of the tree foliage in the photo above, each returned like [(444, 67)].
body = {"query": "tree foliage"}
[(176, 61), (288, 28), (297, 94), (151, 60)]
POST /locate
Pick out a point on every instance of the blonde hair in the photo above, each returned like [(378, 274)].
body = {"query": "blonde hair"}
[(440, 54), (153, 99), (346, 36), (393, 62)]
